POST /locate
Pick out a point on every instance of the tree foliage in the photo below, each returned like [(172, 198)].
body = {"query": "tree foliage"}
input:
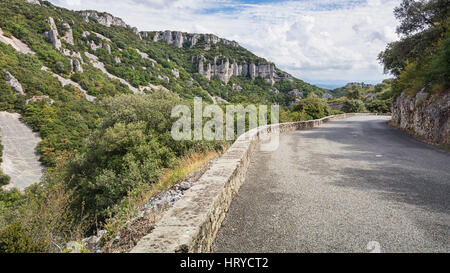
[(420, 58)]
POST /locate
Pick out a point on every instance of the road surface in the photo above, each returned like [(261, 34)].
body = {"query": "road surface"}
[(348, 186)]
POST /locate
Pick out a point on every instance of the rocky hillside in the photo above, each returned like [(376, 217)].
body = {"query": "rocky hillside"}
[(424, 116), (81, 46)]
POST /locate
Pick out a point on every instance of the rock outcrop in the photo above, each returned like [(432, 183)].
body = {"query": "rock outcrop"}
[(20, 161), (327, 96), (424, 116), (104, 19), (52, 34), (97, 64), (107, 47), (93, 46), (65, 82), (178, 38), (224, 71), (296, 93), (76, 65), (176, 72), (14, 83), (68, 36), (39, 99), (145, 56), (36, 2), (15, 43)]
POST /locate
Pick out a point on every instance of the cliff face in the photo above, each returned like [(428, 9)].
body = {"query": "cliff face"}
[(104, 19), (425, 116), (224, 70), (177, 38)]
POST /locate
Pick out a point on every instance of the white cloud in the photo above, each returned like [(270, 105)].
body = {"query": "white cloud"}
[(319, 41)]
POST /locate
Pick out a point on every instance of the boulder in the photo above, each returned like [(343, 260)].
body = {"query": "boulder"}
[(52, 34), (14, 83), (236, 87), (68, 37), (183, 186), (76, 65), (275, 91), (93, 46), (85, 34), (176, 72), (107, 47)]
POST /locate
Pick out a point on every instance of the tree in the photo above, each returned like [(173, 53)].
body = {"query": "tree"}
[(417, 16), (423, 23), (355, 91), (354, 106), (313, 107)]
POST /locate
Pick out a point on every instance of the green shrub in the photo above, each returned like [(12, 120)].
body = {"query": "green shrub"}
[(313, 107), (379, 106), (354, 106), (16, 239)]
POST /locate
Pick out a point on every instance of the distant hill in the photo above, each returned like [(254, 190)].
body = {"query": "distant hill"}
[(341, 91)]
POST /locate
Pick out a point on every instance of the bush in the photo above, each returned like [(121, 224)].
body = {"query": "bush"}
[(4, 179), (16, 239), (354, 106), (130, 146), (379, 106), (313, 107)]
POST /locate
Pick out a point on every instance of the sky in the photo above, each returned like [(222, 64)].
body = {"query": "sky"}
[(323, 42)]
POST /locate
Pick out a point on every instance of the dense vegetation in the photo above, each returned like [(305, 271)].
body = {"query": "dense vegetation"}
[(360, 97), (97, 154), (420, 60)]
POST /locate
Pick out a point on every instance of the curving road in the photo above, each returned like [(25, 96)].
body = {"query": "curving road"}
[(340, 186)]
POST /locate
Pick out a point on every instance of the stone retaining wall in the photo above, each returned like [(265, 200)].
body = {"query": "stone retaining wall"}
[(191, 225)]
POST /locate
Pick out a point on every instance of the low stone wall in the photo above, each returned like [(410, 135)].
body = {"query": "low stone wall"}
[(191, 225)]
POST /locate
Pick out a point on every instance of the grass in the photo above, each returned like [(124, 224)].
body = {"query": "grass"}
[(129, 207)]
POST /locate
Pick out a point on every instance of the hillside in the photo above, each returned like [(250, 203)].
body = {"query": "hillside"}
[(181, 62), (100, 93), (65, 57), (361, 97)]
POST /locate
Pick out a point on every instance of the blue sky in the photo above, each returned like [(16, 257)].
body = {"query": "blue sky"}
[(324, 42)]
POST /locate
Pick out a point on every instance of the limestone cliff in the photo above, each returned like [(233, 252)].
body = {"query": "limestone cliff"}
[(423, 115), (178, 38), (224, 69), (104, 19)]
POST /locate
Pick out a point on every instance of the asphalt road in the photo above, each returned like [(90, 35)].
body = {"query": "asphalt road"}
[(348, 186), (20, 160)]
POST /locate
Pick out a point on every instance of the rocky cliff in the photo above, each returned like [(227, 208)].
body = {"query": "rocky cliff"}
[(224, 70), (424, 116), (178, 38), (104, 19)]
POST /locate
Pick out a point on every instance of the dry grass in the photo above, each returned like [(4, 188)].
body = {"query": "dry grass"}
[(127, 222)]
